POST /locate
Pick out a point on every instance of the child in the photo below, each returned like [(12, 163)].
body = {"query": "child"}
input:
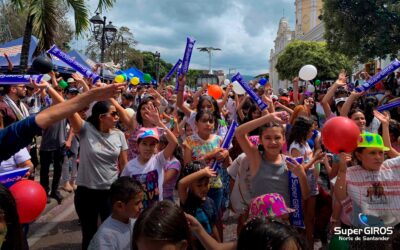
[(267, 167), (116, 231), (298, 147), (147, 167), (162, 226), (171, 169), (193, 189)]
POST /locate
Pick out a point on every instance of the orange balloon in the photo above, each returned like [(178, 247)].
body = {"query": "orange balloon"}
[(215, 91)]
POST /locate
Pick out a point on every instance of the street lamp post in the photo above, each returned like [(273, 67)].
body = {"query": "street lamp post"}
[(157, 55), (104, 34)]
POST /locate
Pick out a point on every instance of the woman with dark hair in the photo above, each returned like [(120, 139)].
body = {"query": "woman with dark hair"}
[(11, 236), (161, 226), (298, 147), (362, 113), (103, 155)]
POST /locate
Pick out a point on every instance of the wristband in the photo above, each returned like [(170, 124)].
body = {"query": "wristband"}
[(47, 88)]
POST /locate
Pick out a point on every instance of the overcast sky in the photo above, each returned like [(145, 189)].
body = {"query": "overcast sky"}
[(243, 29)]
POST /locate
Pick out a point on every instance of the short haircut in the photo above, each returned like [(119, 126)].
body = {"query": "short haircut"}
[(124, 189)]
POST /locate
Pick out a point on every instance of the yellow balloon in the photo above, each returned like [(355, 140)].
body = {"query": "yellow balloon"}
[(135, 81), (119, 78)]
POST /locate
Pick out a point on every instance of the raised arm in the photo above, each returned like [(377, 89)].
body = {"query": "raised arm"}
[(185, 182), (129, 122), (248, 148), (385, 120), (154, 116), (65, 109), (349, 102), (179, 96), (331, 92)]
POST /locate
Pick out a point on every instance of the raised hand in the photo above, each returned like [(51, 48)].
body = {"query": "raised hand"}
[(295, 167), (279, 117), (383, 118), (208, 172), (77, 77)]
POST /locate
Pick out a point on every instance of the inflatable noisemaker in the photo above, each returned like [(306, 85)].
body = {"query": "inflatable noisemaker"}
[(261, 104), (86, 72), (226, 142), (186, 59), (395, 64), (18, 79), (389, 106), (173, 70), (297, 217)]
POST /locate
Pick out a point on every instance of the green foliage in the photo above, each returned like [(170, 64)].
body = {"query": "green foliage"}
[(362, 29), (17, 22), (299, 53)]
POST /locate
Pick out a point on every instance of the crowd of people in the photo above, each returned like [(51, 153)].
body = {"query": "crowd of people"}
[(139, 161)]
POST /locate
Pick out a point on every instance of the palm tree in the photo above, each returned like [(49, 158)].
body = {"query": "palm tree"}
[(43, 18)]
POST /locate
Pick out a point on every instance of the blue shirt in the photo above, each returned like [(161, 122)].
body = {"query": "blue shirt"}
[(17, 136)]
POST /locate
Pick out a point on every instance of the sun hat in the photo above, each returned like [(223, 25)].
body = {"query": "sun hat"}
[(370, 140), (270, 205), (148, 133)]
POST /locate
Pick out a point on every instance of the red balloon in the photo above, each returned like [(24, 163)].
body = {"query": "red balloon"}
[(215, 91), (30, 198), (340, 134)]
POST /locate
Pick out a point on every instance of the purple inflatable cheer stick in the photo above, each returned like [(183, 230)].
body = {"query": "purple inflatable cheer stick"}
[(226, 142), (172, 71), (389, 106), (86, 72), (22, 79), (188, 54), (261, 104), (379, 76)]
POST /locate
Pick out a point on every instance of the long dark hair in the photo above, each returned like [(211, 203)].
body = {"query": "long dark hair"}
[(203, 98), (98, 109), (369, 104), (164, 221), (299, 130), (14, 238), (210, 114), (139, 117), (260, 233)]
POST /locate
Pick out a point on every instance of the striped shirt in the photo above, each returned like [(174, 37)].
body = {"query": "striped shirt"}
[(375, 193)]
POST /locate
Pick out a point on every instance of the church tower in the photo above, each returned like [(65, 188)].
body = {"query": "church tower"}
[(307, 13)]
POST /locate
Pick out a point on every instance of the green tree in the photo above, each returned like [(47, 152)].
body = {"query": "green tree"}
[(362, 29), (42, 17), (16, 23), (300, 53), (117, 51)]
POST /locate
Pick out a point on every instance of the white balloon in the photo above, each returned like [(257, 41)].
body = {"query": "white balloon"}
[(226, 81), (308, 72), (311, 88), (238, 88)]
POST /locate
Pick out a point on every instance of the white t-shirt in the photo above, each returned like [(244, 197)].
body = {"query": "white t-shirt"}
[(18, 158), (113, 235), (99, 153), (376, 193), (150, 175)]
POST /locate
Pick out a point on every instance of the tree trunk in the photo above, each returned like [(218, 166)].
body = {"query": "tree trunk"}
[(26, 44)]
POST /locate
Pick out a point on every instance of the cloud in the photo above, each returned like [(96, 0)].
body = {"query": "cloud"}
[(244, 30)]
